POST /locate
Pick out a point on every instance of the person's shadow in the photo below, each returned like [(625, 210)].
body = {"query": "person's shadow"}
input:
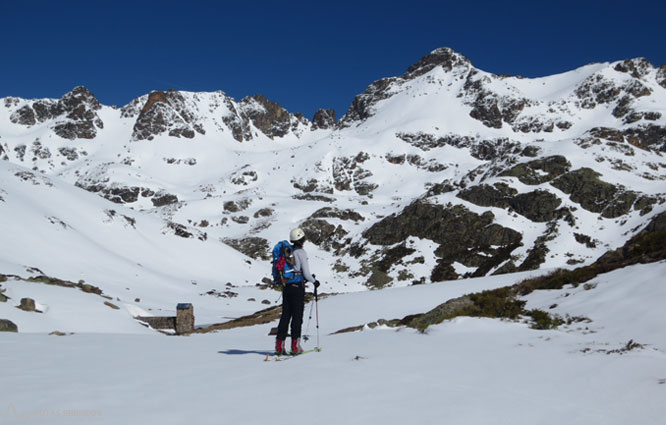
[(244, 352)]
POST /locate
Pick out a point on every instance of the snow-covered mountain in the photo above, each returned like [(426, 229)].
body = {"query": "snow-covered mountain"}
[(443, 172), (455, 191)]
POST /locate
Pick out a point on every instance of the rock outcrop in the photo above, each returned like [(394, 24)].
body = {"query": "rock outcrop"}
[(74, 116), (167, 112), (324, 119), (8, 326), (463, 236)]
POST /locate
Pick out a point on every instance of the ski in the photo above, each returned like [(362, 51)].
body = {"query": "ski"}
[(283, 357)]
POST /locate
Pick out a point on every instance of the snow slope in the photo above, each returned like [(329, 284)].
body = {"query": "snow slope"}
[(465, 371)]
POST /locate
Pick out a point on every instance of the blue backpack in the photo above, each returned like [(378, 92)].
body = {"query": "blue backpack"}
[(283, 265)]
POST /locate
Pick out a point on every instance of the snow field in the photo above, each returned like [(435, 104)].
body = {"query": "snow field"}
[(464, 371)]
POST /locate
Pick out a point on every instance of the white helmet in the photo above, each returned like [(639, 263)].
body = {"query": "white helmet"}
[(296, 234)]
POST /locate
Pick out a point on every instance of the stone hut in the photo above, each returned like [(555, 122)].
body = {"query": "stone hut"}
[(182, 323), (184, 318)]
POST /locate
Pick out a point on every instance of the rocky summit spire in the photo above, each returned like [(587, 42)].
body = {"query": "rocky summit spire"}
[(445, 57), (74, 116), (323, 118)]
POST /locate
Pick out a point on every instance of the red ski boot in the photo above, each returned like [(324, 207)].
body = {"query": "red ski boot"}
[(296, 346), (280, 348)]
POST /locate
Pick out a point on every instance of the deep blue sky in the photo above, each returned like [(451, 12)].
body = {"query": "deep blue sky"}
[(303, 54)]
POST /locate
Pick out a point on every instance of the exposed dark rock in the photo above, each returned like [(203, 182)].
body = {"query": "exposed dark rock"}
[(244, 178), (20, 152), (597, 90), (463, 235), (378, 279), (647, 137), (119, 195), (238, 122), (348, 174), (623, 107), (537, 254), (322, 233), (440, 313), (69, 153), (480, 149), (508, 267), (241, 219), (328, 212), (362, 106), (73, 130), (264, 212), (607, 133), (595, 195), (111, 305), (24, 116), (534, 125), (236, 206), (40, 151), (637, 89), (444, 57), (638, 67), (488, 196), (182, 231), (424, 141), (539, 205), (657, 224), (164, 199), (126, 195), (75, 114), (489, 150), (531, 151), (324, 119), (661, 76), (486, 110), (269, 117), (309, 186), (8, 326), (47, 109), (528, 172), (313, 197), (392, 257), (585, 240), (80, 106), (564, 125), (166, 111), (27, 304), (395, 159), (254, 247), (89, 289), (442, 271), (187, 161), (644, 204)]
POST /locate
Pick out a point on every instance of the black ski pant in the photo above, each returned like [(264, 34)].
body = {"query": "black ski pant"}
[(293, 304)]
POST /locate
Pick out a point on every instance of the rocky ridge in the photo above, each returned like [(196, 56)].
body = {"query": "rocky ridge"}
[(526, 174)]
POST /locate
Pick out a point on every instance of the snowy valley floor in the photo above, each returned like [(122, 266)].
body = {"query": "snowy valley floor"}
[(465, 371)]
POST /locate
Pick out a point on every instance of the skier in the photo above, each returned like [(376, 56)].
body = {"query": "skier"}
[(293, 297)]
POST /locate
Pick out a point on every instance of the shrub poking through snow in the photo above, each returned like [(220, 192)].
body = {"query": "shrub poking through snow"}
[(542, 320)]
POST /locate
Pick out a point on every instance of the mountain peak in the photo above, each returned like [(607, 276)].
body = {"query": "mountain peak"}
[(637, 67), (445, 57)]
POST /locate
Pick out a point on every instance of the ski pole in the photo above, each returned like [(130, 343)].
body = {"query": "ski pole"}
[(307, 329), (317, 314)]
